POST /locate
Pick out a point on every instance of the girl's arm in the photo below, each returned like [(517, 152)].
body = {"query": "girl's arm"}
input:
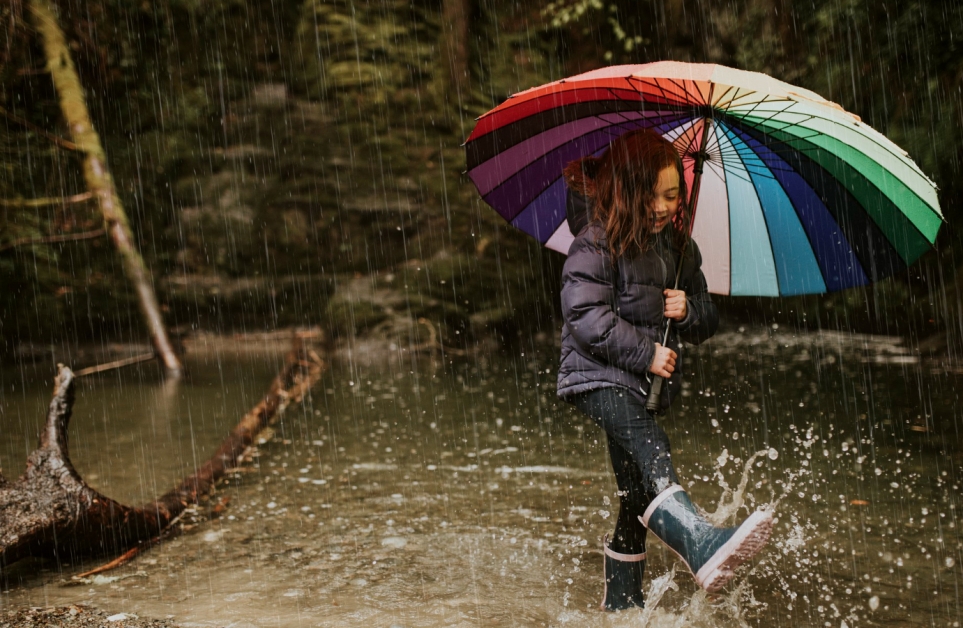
[(588, 294), (702, 318)]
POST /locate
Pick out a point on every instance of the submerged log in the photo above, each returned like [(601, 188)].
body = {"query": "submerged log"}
[(51, 511)]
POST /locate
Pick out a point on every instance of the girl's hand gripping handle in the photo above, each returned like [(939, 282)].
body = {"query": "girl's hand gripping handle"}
[(663, 364)]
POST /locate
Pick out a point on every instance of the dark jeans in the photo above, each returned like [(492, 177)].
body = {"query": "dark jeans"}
[(640, 455)]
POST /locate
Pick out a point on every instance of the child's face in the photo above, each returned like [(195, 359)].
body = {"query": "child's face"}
[(666, 201)]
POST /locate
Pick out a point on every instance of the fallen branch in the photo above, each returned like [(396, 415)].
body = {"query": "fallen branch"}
[(66, 237), (117, 562), (44, 201), (51, 511), (56, 139), (116, 364)]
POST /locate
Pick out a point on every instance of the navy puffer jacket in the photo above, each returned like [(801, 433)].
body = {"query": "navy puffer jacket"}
[(613, 314)]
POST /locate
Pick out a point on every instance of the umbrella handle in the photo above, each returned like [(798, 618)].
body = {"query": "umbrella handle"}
[(653, 402)]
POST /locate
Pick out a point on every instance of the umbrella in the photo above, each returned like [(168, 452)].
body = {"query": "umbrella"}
[(796, 196)]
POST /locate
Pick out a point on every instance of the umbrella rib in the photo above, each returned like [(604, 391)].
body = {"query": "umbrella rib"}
[(514, 174), (738, 120), (719, 168), (869, 216), (815, 148), (725, 111), (755, 190), (729, 153), (772, 115), (654, 83), (859, 130), (685, 91), (618, 113), (817, 115), (509, 104), (823, 272), (746, 94), (908, 163), (611, 91), (640, 121), (685, 136)]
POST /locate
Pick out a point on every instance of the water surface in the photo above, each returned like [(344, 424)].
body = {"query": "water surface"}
[(458, 491)]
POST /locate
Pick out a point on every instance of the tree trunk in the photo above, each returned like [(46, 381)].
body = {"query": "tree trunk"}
[(50, 510), (98, 178), (455, 15)]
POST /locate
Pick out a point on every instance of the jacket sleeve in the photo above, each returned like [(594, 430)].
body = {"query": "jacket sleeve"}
[(588, 295), (702, 318)]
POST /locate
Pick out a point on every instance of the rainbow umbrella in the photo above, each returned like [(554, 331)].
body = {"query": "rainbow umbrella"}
[(796, 195)]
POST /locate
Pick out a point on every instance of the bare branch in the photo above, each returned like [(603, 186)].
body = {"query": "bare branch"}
[(116, 364), (66, 237), (56, 139), (41, 202)]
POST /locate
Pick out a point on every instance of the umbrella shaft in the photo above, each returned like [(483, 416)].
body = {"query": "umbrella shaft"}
[(700, 158), (693, 201)]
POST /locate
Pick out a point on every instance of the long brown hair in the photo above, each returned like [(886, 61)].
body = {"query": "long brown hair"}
[(620, 184)]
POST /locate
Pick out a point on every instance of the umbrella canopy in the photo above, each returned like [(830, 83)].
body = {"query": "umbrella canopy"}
[(797, 196)]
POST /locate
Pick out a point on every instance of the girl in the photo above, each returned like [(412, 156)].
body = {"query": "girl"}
[(616, 297)]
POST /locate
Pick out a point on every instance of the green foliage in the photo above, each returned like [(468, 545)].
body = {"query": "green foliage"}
[(363, 52), (568, 13)]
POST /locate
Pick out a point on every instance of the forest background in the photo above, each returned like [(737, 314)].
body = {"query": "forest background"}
[(299, 162)]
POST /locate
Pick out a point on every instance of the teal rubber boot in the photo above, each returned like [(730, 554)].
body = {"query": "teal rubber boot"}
[(712, 554), (623, 579)]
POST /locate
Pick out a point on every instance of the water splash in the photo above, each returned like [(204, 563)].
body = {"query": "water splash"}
[(698, 608), (732, 500), (657, 588)]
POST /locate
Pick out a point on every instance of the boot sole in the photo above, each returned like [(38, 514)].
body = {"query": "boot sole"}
[(751, 536)]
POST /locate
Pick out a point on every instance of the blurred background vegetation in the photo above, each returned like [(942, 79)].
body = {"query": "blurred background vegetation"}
[(298, 162)]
